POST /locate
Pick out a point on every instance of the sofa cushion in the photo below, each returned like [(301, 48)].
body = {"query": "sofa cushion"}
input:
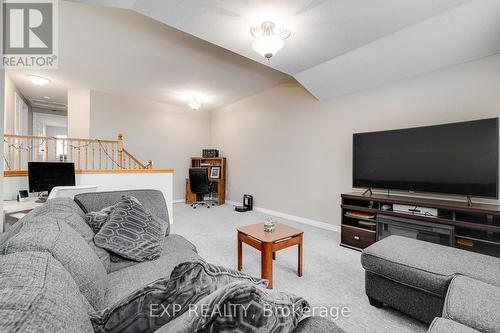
[(171, 244), (152, 200), (67, 210), (13, 230), (125, 281), (38, 295), (427, 266), (48, 234), (131, 232), (442, 325), (143, 310), (473, 303), (57, 205)]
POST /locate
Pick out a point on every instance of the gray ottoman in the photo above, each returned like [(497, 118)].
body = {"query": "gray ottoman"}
[(413, 276), (442, 325), (317, 325)]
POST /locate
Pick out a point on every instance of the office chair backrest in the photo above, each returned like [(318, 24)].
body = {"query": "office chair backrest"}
[(198, 180)]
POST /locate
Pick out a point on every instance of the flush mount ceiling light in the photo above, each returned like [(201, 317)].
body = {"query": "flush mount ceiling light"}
[(268, 40), (38, 80), (194, 104)]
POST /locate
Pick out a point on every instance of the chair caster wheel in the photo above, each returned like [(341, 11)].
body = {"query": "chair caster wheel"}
[(194, 207), (208, 206)]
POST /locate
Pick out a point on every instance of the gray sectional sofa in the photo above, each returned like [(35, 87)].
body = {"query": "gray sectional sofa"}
[(451, 289), (52, 276)]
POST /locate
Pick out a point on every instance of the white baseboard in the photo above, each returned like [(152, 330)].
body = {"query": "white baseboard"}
[(178, 201), (290, 217)]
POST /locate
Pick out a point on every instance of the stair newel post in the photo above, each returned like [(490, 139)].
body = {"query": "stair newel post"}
[(120, 150)]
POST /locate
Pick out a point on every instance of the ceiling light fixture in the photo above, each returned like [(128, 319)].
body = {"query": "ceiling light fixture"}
[(268, 40), (194, 104), (38, 80)]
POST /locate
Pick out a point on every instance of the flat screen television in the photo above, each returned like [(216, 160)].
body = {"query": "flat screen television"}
[(458, 158), (44, 176)]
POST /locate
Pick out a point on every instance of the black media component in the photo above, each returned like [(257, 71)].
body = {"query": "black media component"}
[(458, 158), (210, 153)]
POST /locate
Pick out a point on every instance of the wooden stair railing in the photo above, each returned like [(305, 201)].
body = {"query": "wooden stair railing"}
[(87, 154)]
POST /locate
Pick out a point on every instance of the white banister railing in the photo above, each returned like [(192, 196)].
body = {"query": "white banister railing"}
[(87, 154)]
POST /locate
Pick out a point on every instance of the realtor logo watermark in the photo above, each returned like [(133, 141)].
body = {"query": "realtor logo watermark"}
[(29, 34)]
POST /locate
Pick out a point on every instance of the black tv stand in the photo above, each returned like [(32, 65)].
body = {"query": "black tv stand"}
[(368, 190), (476, 227)]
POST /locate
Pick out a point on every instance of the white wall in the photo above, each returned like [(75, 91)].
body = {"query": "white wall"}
[(2, 115), (106, 182), (293, 153), (34, 110), (79, 113), (10, 102), (166, 134)]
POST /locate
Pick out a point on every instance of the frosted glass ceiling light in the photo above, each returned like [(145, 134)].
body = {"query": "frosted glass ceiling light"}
[(268, 40), (194, 104)]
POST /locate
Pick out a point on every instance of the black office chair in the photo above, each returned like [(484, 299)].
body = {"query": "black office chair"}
[(200, 185)]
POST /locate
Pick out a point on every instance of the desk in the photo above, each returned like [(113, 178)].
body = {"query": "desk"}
[(220, 183), (14, 206), (220, 186)]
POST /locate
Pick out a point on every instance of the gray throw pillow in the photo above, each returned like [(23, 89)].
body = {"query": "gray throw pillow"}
[(67, 210), (131, 232), (97, 219), (154, 305)]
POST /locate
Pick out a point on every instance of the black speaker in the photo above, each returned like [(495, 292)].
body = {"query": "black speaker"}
[(210, 153)]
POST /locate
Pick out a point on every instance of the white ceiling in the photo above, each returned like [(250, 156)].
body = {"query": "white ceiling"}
[(337, 47), (321, 29), (341, 46), (122, 52), (466, 33)]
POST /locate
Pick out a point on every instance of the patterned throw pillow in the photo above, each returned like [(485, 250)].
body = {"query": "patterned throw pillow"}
[(97, 219), (154, 305), (131, 232)]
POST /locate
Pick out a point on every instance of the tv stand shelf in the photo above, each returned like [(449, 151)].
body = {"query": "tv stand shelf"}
[(477, 227)]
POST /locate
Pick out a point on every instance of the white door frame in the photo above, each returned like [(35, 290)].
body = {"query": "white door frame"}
[(20, 115), (42, 120)]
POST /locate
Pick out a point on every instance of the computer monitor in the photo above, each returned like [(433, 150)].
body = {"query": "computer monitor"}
[(44, 176)]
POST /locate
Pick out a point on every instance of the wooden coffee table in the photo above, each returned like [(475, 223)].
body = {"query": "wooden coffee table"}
[(268, 243)]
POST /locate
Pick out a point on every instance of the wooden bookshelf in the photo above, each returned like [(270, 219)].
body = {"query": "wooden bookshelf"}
[(220, 187)]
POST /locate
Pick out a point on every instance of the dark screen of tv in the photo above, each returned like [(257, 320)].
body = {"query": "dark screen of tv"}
[(458, 158), (44, 176)]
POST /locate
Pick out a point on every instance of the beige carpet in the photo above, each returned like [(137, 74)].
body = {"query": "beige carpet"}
[(333, 276)]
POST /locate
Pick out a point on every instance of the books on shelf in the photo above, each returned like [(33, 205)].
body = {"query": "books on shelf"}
[(367, 224), (360, 215)]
